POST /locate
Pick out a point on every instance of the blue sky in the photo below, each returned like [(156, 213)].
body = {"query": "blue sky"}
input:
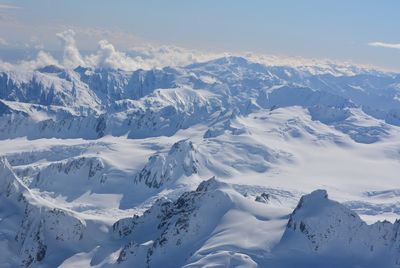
[(363, 31)]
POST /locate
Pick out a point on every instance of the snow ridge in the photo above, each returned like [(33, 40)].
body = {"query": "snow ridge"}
[(326, 228), (180, 160)]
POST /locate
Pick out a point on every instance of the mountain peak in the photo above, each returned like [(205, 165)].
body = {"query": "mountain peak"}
[(172, 227), (210, 184), (51, 69), (181, 160), (318, 225)]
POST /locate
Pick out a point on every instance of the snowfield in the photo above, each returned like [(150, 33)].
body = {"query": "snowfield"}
[(221, 163)]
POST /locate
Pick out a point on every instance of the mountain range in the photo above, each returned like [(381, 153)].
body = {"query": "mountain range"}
[(220, 163)]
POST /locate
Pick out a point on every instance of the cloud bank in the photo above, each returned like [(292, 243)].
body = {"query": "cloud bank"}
[(107, 56), (384, 45)]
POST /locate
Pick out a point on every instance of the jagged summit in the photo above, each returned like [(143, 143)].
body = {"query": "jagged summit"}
[(322, 227), (181, 160), (5, 167), (172, 228), (51, 69), (159, 102), (10, 184), (210, 185), (311, 201), (313, 232)]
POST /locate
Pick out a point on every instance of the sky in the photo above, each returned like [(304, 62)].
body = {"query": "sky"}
[(360, 31)]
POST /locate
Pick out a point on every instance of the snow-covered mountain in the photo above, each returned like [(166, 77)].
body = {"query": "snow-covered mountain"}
[(321, 229), (104, 167), (90, 103), (181, 160)]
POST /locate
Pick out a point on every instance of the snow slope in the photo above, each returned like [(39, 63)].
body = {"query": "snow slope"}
[(111, 168)]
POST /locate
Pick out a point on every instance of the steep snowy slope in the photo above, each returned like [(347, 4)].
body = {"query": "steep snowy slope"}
[(320, 231), (95, 102), (41, 230), (187, 230), (218, 227), (181, 160), (71, 177), (47, 86)]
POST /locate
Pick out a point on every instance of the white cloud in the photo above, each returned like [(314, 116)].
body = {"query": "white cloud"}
[(384, 45), (147, 57), (108, 57), (171, 55), (72, 57), (42, 59)]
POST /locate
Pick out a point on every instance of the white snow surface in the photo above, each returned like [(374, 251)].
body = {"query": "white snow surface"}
[(224, 163)]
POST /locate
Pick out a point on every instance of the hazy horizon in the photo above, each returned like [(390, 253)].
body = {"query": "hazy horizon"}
[(362, 32)]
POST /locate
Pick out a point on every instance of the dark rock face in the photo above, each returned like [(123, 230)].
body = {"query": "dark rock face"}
[(263, 198)]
